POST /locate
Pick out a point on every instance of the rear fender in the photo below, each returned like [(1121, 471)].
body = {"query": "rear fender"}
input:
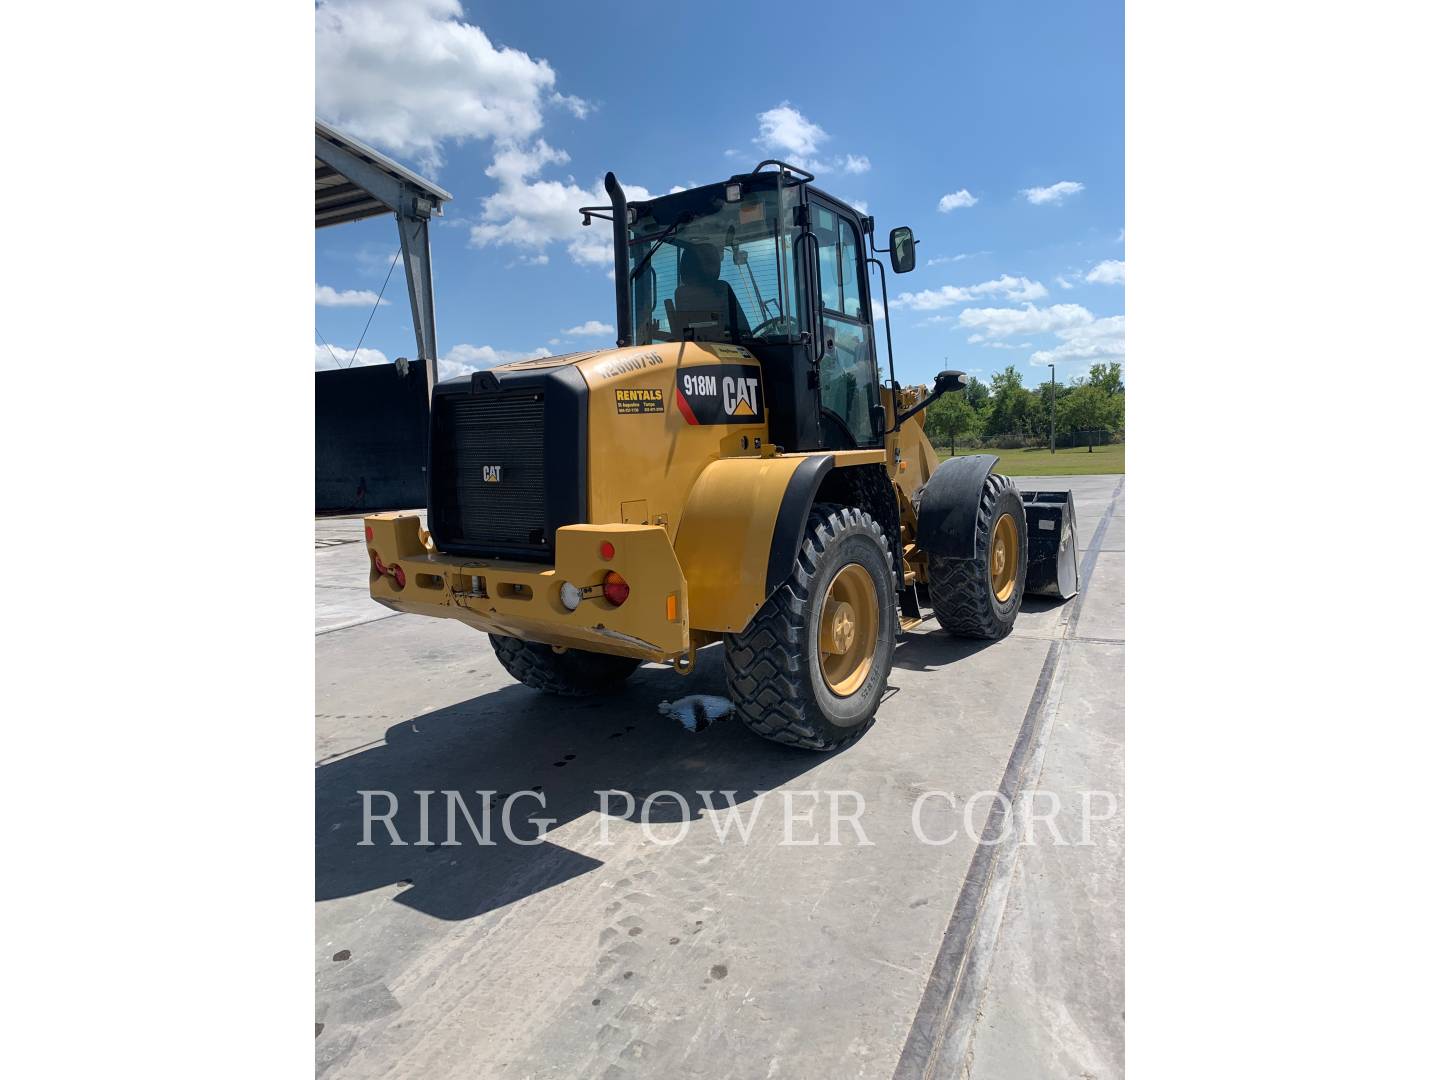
[(741, 529)]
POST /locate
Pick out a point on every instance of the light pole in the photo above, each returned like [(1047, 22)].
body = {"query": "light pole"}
[(1052, 408)]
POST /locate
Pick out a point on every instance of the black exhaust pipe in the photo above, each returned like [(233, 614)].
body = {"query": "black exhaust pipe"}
[(621, 211)]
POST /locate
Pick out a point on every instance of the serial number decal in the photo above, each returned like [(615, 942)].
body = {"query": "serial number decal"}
[(720, 394), (630, 400), (627, 364), (731, 351)]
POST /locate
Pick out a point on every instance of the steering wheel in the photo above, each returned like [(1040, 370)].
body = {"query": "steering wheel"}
[(788, 325)]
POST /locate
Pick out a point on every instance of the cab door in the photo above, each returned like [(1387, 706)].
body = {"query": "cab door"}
[(849, 378)]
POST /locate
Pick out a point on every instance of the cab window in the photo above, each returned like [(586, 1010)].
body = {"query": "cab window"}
[(849, 383)]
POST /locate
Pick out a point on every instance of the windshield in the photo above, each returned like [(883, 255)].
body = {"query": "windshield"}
[(712, 270)]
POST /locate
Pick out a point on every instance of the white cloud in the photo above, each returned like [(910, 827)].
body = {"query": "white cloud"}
[(408, 76), (785, 132), (577, 105), (462, 359), (955, 200), (1065, 281), (1012, 288), (328, 358), (1007, 322), (1094, 340), (592, 328), (861, 206), (530, 214), (1109, 272), (325, 296), (941, 260), (1055, 193), (784, 129)]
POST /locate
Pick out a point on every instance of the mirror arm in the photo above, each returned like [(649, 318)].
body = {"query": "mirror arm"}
[(930, 399), (919, 407), (885, 299)]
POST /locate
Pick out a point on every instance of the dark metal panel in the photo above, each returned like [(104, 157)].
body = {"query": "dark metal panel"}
[(370, 438)]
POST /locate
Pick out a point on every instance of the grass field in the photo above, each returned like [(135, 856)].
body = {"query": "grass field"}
[(1105, 460)]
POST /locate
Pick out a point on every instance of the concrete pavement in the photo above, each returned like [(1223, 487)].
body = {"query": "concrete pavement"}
[(669, 952)]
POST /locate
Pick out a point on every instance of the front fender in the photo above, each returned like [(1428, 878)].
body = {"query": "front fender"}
[(950, 505)]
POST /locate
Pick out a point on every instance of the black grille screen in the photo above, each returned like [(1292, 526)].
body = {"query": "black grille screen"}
[(480, 433)]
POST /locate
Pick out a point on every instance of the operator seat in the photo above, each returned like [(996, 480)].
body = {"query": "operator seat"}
[(702, 296)]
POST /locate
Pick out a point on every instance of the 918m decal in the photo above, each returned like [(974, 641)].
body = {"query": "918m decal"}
[(720, 394)]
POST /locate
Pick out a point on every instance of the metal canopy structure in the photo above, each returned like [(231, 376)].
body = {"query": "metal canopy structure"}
[(353, 182)]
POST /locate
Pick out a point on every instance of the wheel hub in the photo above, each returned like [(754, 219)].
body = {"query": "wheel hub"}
[(839, 628), (849, 629), (1004, 557)]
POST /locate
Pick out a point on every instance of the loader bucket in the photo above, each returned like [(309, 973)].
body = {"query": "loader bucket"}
[(1053, 569)]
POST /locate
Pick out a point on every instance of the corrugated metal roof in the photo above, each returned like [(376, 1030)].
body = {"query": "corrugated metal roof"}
[(338, 199)]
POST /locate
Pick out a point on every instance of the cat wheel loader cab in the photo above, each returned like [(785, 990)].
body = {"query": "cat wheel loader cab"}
[(735, 471)]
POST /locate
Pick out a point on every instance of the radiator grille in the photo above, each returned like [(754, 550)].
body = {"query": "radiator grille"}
[(479, 432)]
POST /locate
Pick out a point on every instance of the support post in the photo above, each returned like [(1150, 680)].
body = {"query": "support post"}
[(415, 252)]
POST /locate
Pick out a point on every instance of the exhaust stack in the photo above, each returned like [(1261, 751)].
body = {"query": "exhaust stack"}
[(621, 210)]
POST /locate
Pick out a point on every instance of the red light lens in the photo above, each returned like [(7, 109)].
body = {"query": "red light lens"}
[(398, 573), (607, 550), (369, 534), (375, 561), (616, 589)]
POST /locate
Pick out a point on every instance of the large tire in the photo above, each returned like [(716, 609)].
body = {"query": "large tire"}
[(783, 687), (573, 673), (963, 591)]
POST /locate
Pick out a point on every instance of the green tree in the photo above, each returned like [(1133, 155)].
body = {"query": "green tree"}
[(1089, 407), (1011, 405), (949, 419), (977, 394), (1107, 378)]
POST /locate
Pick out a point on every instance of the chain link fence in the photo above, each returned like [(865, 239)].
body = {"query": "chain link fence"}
[(1064, 440)]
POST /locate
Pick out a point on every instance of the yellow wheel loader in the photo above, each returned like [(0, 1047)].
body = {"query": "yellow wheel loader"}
[(734, 471)]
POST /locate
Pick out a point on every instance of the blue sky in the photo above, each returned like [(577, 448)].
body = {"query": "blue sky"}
[(1015, 111)]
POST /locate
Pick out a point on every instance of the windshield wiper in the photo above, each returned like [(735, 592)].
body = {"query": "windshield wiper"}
[(683, 219)]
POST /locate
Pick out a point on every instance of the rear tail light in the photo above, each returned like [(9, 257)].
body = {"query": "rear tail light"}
[(616, 589), (607, 551), (369, 533), (394, 570)]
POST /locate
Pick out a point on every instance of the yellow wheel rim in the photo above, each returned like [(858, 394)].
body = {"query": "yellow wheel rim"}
[(849, 629), (1004, 557)]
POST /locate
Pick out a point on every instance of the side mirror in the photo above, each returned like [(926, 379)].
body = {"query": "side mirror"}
[(948, 381), (902, 250)]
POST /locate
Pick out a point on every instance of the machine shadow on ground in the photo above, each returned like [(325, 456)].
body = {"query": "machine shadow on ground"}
[(516, 739), (930, 649)]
